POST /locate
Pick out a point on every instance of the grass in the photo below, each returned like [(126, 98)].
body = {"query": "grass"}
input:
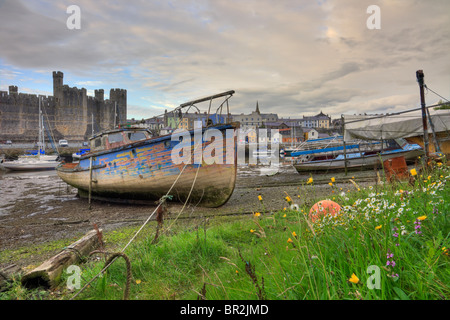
[(389, 241)]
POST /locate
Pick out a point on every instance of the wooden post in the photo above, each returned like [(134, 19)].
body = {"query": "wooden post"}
[(420, 76), (90, 182), (48, 274)]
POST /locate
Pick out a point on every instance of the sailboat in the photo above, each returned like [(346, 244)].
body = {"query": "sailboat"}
[(40, 161)]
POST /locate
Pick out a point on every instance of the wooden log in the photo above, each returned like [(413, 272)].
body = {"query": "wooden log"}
[(48, 274)]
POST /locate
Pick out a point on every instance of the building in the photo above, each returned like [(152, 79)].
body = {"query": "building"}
[(310, 133), (290, 131), (69, 114), (320, 120), (186, 121), (255, 119)]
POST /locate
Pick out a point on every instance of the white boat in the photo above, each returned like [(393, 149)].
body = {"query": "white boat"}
[(40, 161)]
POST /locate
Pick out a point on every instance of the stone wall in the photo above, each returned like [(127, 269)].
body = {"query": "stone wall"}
[(68, 113)]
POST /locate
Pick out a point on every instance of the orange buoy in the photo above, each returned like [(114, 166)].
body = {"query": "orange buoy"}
[(323, 208)]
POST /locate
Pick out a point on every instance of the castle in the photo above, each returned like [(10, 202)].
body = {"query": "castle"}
[(69, 114)]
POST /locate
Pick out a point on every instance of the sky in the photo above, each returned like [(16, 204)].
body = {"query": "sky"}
[(295, 58)]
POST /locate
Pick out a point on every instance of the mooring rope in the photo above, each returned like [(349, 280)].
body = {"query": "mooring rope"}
[(161, 201)]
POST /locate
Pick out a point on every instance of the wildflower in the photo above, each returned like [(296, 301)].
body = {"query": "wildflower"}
[(330, 183), (288, 199), (289, 240), (354, 279), (259, 198), (294, 234), (138, 281), (422, 218), (310, 180), (333, 179), (237, 272), (378, 227), (413, 172), (257, 214), (284, 216), (251, 230)]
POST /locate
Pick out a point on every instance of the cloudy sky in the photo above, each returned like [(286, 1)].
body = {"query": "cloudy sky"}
[(294, 57)]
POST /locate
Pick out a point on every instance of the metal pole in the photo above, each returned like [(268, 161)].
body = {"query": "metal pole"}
[(420, 76)]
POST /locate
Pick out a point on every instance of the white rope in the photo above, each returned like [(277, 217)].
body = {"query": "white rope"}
[(146, 221)]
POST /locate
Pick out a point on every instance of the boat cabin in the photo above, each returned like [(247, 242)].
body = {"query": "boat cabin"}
[(117, 138)]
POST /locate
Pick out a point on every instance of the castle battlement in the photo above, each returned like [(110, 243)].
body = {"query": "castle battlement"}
[(69, 110)]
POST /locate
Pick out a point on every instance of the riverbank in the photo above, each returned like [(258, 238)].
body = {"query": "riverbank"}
[(39, 208), (389, 242)]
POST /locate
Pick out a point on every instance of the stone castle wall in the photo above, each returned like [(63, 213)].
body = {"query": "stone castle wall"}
[(68, 113)]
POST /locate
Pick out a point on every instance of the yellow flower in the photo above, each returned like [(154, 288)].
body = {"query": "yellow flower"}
[(251, 230), (413, 172), (237, 272), (284, 209), (259, 198), (330, 183), (422, 218), (429, 177), (294, 234), (257, 214), (284, 216), (288, 199), (333, 179), (310, 180), (439, 164), (378, 227), (353, 279), (138, 281), (289, 240)]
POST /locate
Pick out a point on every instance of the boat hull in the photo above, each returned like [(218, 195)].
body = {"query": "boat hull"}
[(145, 171), (355, 163), (29, 166)]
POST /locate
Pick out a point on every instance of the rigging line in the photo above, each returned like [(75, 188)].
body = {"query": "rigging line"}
[(394, 113), (436, 93), (148, 219), (51, 132)]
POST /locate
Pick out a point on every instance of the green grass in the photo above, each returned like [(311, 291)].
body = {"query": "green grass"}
[(282, 255)]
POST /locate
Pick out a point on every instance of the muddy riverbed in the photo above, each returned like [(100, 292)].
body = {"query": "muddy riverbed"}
[(37, 207)]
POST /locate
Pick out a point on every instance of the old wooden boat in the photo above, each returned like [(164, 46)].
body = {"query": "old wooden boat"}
[(130, 164)]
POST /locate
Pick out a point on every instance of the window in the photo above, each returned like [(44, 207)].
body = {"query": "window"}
[(115, 137), (97, 142), (135, 136)]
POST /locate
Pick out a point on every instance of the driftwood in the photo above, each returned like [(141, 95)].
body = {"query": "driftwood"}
[(48, 274)]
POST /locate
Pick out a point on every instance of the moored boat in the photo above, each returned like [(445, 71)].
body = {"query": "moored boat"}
[(357, 160), (129, 164)]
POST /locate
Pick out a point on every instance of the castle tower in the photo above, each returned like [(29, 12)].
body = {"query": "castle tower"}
[(13, 89), (100, 94), (58, 78)]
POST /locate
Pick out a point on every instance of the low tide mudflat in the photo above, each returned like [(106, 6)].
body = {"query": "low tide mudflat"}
[(39, 207)]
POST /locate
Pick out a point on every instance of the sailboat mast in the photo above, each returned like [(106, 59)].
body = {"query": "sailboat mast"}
[(40, 129)]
